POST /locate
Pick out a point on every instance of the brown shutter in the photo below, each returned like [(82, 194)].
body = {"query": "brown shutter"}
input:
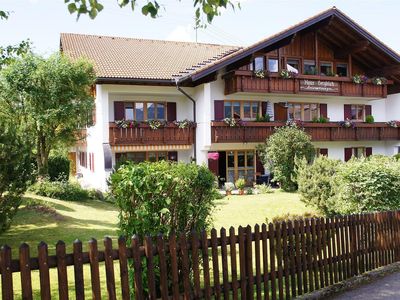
[(280, 112), (347, 111), (348, 152), (368, 110), (264, 108), (323, 151), (171, 111), (213, 166), (119, 110), (323, 110), (218, 110), (259, 166), (368, 151), (173, 156)]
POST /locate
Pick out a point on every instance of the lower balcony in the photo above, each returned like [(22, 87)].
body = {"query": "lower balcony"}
[(144, 135), (257, 132)]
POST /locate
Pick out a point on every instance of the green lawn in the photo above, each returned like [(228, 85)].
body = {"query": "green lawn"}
[(97, 219)]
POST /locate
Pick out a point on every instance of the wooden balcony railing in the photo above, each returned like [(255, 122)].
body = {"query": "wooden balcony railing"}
[(256, 132), (144, 135), (246, 81)]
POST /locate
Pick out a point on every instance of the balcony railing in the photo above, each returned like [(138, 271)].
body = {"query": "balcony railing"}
[(256, 132), (246, 81), (144, 135)]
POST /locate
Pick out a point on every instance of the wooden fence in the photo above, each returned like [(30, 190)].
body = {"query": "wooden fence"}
[(274, 261)]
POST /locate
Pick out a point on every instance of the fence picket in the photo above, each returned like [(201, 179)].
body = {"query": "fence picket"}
[(271, 235), (163, 266), (25, 267), (264, 235), (224, 258), (94, 269), (185, 265), (123, 268), (44, 271), (137, 267), (196, 270), (78, 271), (62, 271), (214, 254), (249, 262), (232, 248), (242, 260), (206, 266), (6, 273)]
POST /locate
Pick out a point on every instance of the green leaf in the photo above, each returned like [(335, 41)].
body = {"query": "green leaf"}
[(72, 8)]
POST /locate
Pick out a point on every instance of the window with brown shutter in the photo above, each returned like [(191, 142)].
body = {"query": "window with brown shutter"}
[(347, 111), (323, 151), (368, 110), (218, 110), (368, 151), (171, 111), (348, 152), (323, 110), (119, 110)]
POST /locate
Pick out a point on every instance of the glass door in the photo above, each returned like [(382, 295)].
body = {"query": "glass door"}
[(240, 164)]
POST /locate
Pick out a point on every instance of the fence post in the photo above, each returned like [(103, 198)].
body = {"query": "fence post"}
[(6, 273)]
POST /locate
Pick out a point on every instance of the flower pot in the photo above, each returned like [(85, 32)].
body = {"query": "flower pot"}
[(241, 192), (228, 193)]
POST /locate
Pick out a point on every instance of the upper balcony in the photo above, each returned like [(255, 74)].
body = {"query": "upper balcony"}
[(143, 134), (245, 81), (257, 132)]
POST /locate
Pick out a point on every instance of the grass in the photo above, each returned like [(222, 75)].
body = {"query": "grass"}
[(246, 210), (96, 219)]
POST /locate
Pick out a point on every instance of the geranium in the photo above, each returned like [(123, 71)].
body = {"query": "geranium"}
[(360, 79), (295, 123), (184, 124), (156, 124), (126, 124), (286, 74), (260, 73), (347, 123), (379, 80), (232, 122), (393, 123)]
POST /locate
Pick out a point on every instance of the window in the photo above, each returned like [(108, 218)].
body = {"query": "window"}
[(247, 110), (341, 69), (273, 65), (293, 65), (83, 159), (325, 69), (303, 111), (359, 152), (240, 164), (309, 67), (141, 111), (357, 112), (138, 157), (259, 63)]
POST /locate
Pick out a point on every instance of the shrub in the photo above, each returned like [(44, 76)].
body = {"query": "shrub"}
[(163, 197), (291, 217), (397, 156), (321, 119), (59, 168), (15, 172), (249, 191), (367, 184), (62, 190), (240, 183), (280, 150), (315, 182), (369, 119), (264, 188)]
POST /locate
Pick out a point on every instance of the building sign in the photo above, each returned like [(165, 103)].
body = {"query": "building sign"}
[(319, 86)]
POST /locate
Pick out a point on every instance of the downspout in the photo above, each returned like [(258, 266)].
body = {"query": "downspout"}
[(194, 114)]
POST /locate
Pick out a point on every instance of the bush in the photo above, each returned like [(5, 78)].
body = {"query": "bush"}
[(367, 185), (15, 173), (62, 190), (280, 150), (250, 191), (369, 119), (264, 188), (59, 168), (291, 217), (163, 197), (229, 186), (240, 183), (315, 182)]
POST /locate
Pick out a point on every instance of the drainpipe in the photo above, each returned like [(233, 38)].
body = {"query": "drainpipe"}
[(194, 114)]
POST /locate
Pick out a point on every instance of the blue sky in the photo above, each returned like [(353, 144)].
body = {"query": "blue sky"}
[(42, 21)]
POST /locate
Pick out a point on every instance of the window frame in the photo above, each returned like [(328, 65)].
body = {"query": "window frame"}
[(242, 102), (145, 115), (299, 61), (342, 63), (146, 156), (302, 110), (363, 112), (236, 168), (321, 63), (308, 62), (354, 151), (267, 63)]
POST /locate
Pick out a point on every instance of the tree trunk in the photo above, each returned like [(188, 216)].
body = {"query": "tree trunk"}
[(42, 156)]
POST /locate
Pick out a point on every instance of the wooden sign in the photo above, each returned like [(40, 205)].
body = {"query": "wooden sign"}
[(319, 86)]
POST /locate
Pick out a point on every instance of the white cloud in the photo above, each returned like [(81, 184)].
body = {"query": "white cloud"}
[(181, 33)]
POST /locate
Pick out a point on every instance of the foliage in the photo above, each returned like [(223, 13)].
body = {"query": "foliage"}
[(280, 150), (233, 122), (250, 191), (321, 119), (347, 123), (62, 190), (360, 79), (397, 156), (369, 119), (185, 124), (291, 217), (59, 168), (229, 186), (367, 184), (286, 74), (265, 118), (260, 73), (315, 182), (156, 124), (263, 188), (208, 8), (240, 183), (379, 80), (126, 124), (10, 53), (15, 172), (49, 99)]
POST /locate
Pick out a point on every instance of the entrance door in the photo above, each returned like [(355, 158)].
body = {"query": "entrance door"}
[(280, 112), (240, 164)]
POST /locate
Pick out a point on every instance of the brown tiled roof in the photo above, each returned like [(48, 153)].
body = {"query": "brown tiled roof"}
[(129, 58)]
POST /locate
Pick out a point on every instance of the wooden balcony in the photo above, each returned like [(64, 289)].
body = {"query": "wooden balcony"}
[(257, 132), (246, 81), (144, 135)]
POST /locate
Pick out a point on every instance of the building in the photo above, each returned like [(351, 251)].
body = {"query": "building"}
[(314, 71)]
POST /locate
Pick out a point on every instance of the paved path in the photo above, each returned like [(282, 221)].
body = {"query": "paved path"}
[(386, 288)]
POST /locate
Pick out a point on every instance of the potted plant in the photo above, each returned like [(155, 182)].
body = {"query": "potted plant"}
[(228, 186), (240, 185), (286, 74), (233, 122), (347, 124), (360, 79), (379, 80), (369, 119)]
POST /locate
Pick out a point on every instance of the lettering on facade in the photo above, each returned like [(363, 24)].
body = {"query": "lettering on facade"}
[(319, 86)]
